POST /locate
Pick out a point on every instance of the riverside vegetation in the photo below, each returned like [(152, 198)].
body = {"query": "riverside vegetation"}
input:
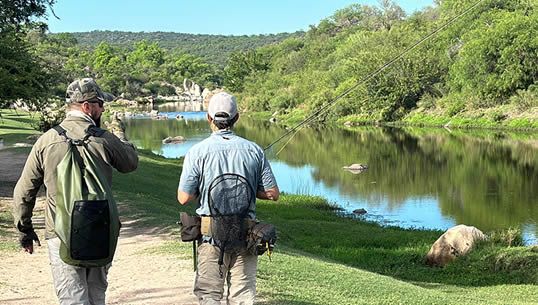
[(481, 71), (325, 258)]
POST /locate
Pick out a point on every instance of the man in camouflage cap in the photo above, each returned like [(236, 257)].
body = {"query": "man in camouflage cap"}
[(85, 104)]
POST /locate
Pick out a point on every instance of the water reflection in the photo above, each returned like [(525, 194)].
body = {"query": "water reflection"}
[(416, 177)]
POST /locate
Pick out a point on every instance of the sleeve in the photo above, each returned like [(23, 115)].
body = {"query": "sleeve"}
[(24, 195), (123, 155), (267, 180), (189, 181)]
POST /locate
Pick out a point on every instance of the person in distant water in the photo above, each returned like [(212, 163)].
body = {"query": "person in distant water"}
[(84, 98), (224, 154)]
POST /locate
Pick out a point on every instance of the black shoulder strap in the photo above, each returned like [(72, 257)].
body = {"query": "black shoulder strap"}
[(61, 131), (95, 131), (92, 131)]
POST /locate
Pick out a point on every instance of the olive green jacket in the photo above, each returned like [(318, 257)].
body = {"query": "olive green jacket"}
[(46, 154)]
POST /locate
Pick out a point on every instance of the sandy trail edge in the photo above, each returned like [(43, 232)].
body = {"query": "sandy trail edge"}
[(136, 277)]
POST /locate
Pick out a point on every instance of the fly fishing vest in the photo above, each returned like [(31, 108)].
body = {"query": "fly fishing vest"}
[(86, 219), (229, 200)]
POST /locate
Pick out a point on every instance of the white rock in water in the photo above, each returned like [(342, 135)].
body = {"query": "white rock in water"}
[(173, 140), (356, 168)]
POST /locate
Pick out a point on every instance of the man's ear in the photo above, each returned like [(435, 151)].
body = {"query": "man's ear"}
[(209, 119), (85, 107)]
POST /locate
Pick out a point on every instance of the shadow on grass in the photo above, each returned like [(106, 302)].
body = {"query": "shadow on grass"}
[(283, 302), (15, 127)]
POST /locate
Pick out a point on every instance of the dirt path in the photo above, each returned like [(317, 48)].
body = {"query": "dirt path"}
[(136, 277)]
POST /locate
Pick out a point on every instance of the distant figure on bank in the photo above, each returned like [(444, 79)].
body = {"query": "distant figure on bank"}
[(226, 173), (85, 104)]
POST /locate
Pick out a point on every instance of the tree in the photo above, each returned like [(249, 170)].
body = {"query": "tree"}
[(22, 75), (498, 57), (17, 13), (242, 64)]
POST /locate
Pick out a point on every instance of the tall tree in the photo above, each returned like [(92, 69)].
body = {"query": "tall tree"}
[(21, 73)]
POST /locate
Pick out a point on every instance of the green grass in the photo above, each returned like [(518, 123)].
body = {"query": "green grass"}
[(323, 258), (16, 126)]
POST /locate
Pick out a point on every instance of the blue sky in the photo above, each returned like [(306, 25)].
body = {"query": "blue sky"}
[(232, 17)]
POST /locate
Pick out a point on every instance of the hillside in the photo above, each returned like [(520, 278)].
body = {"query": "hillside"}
[(213, 48), (479, 71)]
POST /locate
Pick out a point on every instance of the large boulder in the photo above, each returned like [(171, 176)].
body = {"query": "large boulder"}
[(456, 241)]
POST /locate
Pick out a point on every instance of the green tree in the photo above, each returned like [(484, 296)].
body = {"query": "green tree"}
[(22, 75), (15, 14), (497, 57), (242, 64)]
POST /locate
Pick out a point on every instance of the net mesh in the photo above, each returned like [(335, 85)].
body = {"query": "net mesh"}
[(230, 198)]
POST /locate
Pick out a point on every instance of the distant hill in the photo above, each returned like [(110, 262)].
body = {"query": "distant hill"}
[(214, 48)]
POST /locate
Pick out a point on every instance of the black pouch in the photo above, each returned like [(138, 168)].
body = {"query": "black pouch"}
[(90, 230), (190, 227), (261, 237)]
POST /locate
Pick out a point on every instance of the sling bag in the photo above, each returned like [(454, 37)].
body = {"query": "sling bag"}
[(86, 219)]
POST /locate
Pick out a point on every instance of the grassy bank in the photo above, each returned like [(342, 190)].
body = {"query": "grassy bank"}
[(323, 258), (16, 126), (503, 117)]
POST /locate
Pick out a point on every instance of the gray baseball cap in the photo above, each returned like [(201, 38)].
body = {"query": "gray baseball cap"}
[(222, 107), (82, 90)]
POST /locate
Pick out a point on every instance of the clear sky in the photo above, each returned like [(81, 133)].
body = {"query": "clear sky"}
[(226, 17)]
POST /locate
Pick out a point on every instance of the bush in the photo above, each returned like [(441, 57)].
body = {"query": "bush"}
[(50, 117), (509, 237), (525, 99)]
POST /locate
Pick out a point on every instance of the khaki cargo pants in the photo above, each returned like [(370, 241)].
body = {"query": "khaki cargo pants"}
[(239, 272), (76, 285)]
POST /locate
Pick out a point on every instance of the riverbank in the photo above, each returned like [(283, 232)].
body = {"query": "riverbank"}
[(505, 117), (323, 258)]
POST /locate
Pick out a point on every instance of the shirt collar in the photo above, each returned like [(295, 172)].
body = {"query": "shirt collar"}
[(80, 114), (223, 132)]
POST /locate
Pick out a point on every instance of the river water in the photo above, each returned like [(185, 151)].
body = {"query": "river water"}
[(420, 178)]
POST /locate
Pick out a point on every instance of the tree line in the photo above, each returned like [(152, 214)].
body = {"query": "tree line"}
[(36, 66), (486, 59), (213, 49)]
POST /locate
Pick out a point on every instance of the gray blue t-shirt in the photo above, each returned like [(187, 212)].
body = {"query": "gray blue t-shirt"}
[(221, 153)]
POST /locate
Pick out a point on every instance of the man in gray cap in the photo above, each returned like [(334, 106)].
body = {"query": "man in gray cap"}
[(226, 173), (85, 104)]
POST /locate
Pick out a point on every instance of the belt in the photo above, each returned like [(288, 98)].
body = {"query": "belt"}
[(205, 227)]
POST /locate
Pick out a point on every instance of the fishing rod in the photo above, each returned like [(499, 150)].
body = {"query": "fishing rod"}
[(369, 76)]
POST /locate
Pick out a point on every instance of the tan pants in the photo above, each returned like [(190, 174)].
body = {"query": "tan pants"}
[(76, 285), (239, 271)]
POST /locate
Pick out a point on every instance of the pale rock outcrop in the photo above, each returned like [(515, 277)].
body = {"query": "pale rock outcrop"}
[(192, 89), (456, 241), (173, 140), (205, 93), (210, 94)]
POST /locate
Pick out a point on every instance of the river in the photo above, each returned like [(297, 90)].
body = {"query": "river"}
[(416, 178)]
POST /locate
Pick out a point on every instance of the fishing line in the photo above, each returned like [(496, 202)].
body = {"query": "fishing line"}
[(289, 140), (332, 102)]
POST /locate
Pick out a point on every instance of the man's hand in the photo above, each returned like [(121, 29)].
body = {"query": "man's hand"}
[(27, 241), (270, 194), (116, 127)]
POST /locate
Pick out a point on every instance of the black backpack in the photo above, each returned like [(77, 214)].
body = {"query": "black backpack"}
[(229, 199)]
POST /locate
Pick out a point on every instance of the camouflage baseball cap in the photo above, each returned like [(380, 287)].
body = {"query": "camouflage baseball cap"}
[(82, 90)]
